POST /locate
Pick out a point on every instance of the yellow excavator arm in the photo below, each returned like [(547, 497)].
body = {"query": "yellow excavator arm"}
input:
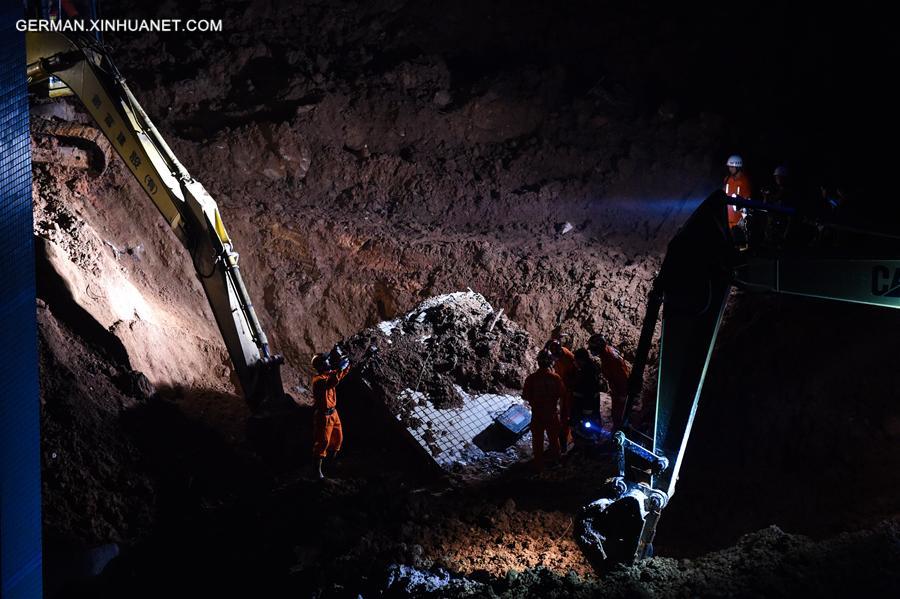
[(85, 68)]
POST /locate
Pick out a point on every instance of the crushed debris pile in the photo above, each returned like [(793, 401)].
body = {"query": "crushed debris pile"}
[(455, 339), (445, 371)]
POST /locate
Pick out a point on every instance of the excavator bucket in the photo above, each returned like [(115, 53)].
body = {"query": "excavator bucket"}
[(619, 529), (266, 392)]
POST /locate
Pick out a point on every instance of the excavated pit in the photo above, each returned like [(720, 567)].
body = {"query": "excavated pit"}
[(364, 163)]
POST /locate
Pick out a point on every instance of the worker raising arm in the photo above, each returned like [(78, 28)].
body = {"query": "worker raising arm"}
[(327, 434)]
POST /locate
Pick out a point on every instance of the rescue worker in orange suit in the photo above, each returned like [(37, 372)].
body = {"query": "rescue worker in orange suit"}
[(327, 434), (616, 372), (736, 185), (564, 366), (543, 390)]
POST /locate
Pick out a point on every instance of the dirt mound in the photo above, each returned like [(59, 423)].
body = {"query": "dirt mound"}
[(450, 340), (768, 563), (94, 490), (444, 371)]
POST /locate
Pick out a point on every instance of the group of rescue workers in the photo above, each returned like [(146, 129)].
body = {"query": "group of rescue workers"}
[(820, 202), (564, 394)]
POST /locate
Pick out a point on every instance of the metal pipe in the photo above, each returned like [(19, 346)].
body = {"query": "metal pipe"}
[(165, 151), (44, 68), (246, 305), (636, 380), (757, 205), (657, 463), (36, 73)]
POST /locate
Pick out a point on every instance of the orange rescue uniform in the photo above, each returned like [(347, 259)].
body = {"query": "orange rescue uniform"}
[(543, 391), (565, 368), (616, 372), (736, 185), (327, 433)]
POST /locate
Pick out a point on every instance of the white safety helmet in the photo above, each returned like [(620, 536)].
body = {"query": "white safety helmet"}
[(735, 161), (780, 171)]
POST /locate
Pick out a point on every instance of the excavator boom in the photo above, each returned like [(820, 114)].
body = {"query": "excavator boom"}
[(701, 266), (85, 68)]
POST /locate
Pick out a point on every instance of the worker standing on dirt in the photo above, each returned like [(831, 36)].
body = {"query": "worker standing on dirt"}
[(736, 185), (327, 434), (564, 366), (616, 372), (543, 390)]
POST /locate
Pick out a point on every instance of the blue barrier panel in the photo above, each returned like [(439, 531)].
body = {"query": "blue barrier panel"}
[(20, 476)]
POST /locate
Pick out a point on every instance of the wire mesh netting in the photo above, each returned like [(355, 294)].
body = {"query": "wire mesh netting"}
[(460, 436)]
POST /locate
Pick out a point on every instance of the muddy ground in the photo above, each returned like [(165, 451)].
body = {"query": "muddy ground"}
[(365, 159)]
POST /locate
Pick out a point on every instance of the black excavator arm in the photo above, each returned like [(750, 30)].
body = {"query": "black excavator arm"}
[(84, 68), (701, 266)]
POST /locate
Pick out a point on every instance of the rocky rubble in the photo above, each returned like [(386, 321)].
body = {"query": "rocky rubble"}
[(767, 563), (457, 339)]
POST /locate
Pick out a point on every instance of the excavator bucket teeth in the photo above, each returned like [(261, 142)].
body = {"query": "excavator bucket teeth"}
[(267, 394), (618, 530)]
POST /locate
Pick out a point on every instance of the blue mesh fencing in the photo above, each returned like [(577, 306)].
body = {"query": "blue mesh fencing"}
[(20, 487)]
